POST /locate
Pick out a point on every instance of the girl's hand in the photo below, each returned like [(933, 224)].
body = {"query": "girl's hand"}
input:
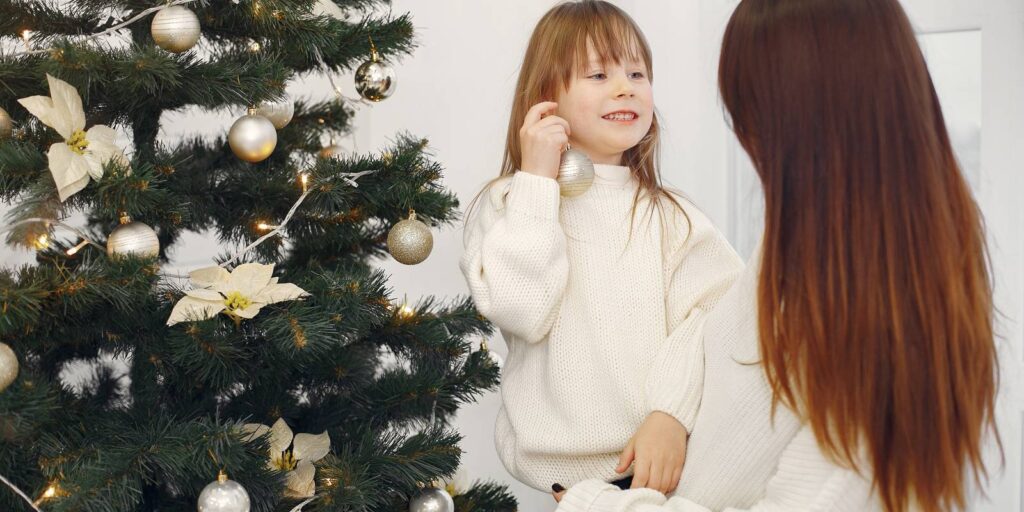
[(659, 448), (542, 138)]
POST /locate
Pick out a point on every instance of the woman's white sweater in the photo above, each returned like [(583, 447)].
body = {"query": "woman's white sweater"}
[(739, 456), (602, 327)]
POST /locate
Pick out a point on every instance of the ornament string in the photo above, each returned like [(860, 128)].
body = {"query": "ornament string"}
[(20, 493), (110, 30), (52, 222), (350, 178)]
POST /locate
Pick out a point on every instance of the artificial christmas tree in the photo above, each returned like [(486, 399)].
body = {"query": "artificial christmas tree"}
[(283, 375)]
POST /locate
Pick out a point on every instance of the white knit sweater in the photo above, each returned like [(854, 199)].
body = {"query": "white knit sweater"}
[(600, 332), (738, 457)]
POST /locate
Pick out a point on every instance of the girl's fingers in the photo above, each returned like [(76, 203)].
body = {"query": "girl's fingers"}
[(626, 458), (641, 475), (654, 480), (674, 483), (534, 114), (552, 121), (667, 484)]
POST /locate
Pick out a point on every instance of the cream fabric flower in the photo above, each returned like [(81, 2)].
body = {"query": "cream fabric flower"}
[(457, 485), (239, 294), (295, 455), (82, 154)]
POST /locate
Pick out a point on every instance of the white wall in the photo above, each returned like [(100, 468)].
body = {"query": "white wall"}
[(456, 89)]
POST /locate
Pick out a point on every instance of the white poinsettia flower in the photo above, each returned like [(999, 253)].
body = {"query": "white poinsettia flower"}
[(240, 293), (295, 455), (456, 485), (83, 153)]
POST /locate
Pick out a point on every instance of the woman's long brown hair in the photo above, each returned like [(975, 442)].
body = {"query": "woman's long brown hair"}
[(875, 303)]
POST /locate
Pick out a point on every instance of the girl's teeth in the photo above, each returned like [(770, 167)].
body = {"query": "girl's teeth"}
[(620, 117)]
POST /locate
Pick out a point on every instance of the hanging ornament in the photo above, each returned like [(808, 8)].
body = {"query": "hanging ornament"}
[(332, 151), (223, 495), (278, 112), (8, 366), (252, 137), (410, 241), (132, 238), (575, 173), (495, 358), (432, 499), (6, 125), (175, 29), (375, 80)]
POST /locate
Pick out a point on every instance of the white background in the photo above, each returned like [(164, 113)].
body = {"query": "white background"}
[(456, 90)]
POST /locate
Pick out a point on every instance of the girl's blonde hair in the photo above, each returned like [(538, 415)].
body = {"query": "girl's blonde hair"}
[(556, 51)]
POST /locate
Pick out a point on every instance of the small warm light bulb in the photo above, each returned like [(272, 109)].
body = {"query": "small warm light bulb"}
[(406, 311), (26, 34), (254, 47), (50, 492), (42, 242), (74, 250), (304, 179), (263, 226)]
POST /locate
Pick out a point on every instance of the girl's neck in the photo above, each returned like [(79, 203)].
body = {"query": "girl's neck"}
[(598, 157)]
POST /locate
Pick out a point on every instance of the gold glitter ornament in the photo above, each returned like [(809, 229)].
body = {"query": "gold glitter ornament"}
[(8, 366), (410, 241)]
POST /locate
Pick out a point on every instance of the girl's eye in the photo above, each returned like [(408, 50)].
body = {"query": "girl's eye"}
[(597, 76), (636, 74)]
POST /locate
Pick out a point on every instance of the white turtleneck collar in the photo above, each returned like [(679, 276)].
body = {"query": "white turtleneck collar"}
[(612, 174)]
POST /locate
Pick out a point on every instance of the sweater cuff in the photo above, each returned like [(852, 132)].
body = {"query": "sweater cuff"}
[(583, 496), (676, 382), (533, 196), (682, 405)]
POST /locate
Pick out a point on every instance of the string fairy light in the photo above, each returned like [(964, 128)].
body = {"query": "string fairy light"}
[(133, 19), (21, 493)]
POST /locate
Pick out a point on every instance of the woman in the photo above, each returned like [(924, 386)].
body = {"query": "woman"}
[(852, 366)]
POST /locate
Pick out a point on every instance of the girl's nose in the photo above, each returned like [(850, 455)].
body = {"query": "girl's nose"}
[(624, 88)]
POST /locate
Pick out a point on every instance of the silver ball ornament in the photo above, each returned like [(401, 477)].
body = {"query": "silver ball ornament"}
[(175, 29), (223, 495), (8, 366), (375, 80), (132, 238), (252, 137), (410, 241), (6, 125), (575, 173), (279, 113), (432, 500)]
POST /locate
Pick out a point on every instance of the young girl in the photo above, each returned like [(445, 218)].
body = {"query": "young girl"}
[(600, 297)]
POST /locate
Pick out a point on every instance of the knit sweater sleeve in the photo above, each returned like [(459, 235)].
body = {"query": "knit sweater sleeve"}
[(805, 481), (699, 267), (515, 259)]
